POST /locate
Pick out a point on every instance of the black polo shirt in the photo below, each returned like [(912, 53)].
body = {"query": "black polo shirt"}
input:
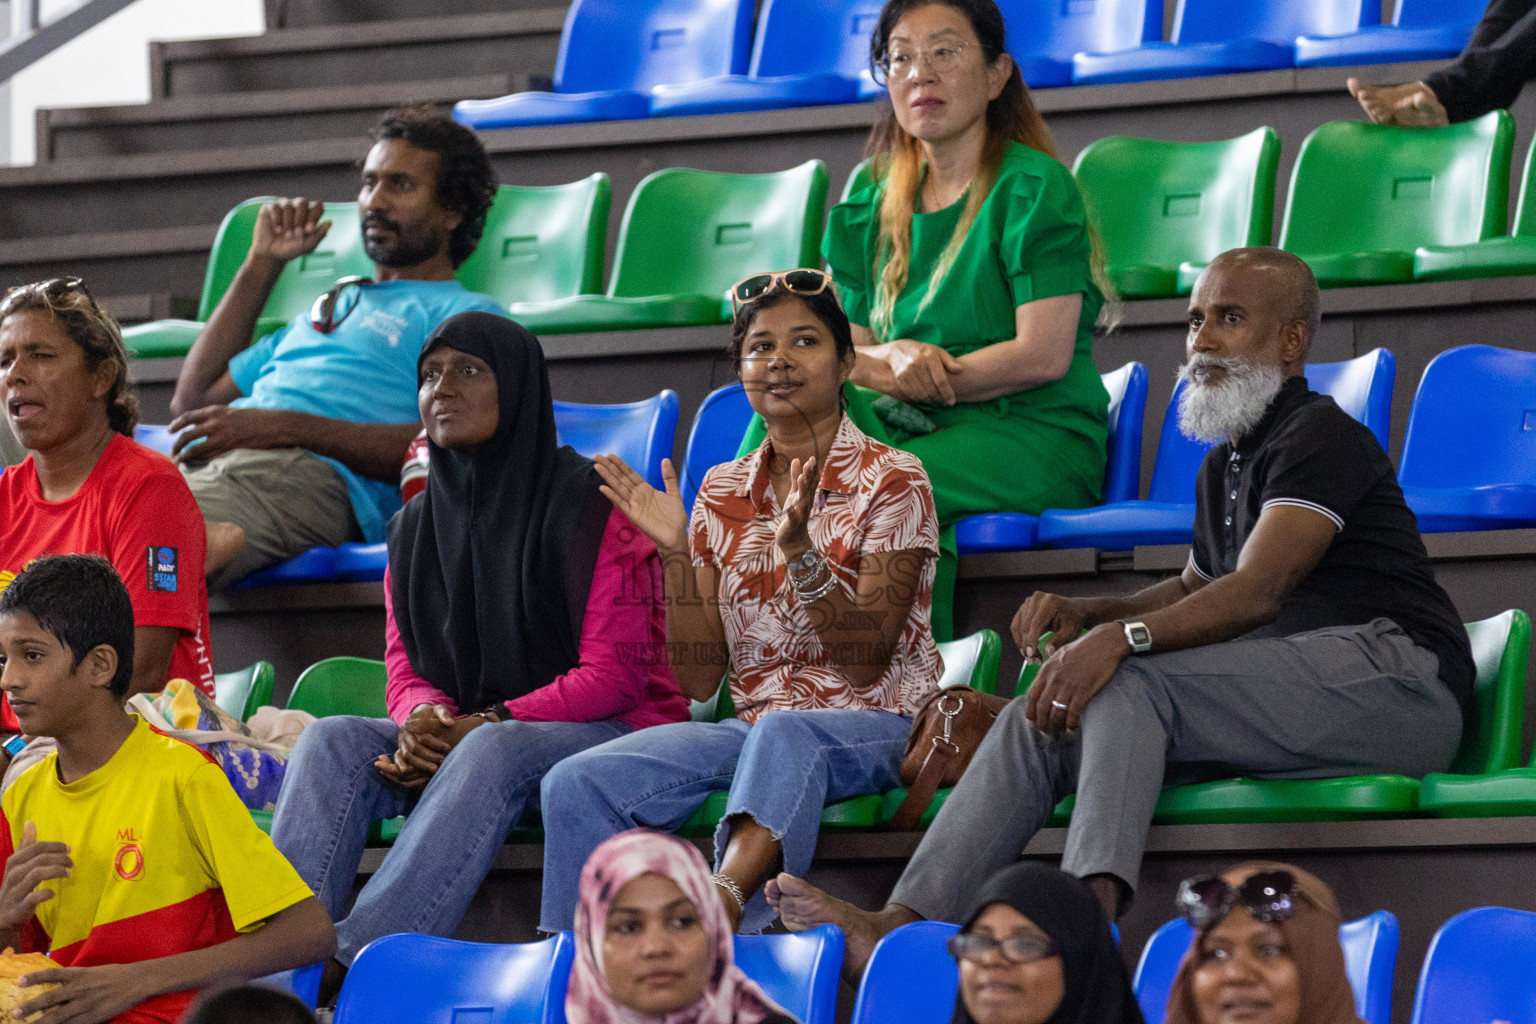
[(1307, 451)]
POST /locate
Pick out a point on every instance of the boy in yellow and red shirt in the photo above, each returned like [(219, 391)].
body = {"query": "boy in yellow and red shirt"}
[(126, 854)]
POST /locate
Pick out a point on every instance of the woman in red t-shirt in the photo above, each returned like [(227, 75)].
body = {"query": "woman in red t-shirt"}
[(87, 488)]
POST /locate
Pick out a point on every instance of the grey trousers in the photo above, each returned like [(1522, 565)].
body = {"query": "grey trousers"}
[(286, 500), (1354, 700)]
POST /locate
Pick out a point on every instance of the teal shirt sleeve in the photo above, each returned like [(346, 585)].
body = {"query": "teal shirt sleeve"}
[(1044, 244), (848, 247), (247, 365)]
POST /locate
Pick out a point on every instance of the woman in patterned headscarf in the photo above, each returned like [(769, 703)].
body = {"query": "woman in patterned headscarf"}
[(653, 942)]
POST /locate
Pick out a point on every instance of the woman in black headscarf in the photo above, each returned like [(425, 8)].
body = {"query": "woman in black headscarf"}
[(520, 609), (1037, 950)]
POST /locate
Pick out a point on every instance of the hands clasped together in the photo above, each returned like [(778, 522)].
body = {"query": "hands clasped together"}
[(429, 734)]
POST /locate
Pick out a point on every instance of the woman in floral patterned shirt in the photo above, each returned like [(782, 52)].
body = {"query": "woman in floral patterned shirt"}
[(807, 573)]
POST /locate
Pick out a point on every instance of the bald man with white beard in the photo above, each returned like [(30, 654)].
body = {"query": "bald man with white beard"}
[(1306, 637)]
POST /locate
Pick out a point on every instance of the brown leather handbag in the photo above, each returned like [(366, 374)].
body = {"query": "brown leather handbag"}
[(946, 730)]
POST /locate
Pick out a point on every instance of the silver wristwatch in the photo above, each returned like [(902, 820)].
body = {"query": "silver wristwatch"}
[(1138, 636)]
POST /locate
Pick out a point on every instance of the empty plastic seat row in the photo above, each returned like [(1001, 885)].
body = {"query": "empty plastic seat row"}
[(1214, 37), (625, 59)]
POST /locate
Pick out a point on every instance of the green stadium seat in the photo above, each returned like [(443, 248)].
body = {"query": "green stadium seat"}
[(689, 235), (1365, 197), (861, 177), (1163, 210), (540, 243), (342, 686), (1485, 785), (1505, 256), (241, 693), (1490, 742), (971, 661)]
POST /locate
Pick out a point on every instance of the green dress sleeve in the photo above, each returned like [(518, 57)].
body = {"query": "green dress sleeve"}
[(848, 246), (1045, 246)]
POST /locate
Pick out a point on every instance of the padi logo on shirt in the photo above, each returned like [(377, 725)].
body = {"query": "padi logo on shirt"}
[(162, 569)]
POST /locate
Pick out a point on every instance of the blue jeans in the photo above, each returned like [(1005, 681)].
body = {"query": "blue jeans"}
[(488, 783), (780, 772)]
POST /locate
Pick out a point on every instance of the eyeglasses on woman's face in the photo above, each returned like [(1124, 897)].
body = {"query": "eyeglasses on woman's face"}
[(903, 62), (1021, 948)]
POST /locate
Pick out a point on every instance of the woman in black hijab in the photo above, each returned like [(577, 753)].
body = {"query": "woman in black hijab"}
[(519, 605), (1037, 950)]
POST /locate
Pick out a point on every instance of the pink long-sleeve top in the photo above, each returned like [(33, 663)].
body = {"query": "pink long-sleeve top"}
[(622, 672)]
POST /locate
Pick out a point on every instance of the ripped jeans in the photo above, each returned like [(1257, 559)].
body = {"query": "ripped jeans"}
[(780, 771)]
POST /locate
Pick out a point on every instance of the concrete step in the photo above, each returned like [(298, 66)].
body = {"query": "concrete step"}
[(313, 13), (217, 120), (417, 50), (164, 262)]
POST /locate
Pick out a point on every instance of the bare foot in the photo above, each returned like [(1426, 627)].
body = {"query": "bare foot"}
[(802, 906), (733, 911), (1412, 105)]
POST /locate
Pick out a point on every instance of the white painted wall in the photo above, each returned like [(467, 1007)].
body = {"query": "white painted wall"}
[(110, 63)]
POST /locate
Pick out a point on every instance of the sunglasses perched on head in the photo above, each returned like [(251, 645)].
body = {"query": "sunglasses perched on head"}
[(337, 304), (1269, 896), (1017, 949), (804, 281), (51, 289)]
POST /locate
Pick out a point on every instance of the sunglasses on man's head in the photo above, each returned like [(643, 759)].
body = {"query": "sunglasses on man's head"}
[(337, 304), (804, 281), (1269, 896)]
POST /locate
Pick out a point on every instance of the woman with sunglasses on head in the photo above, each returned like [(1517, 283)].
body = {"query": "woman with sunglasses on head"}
[(653, 942), (1038, 950), (86, 487), (805, 574), (521, 609), (966, 268), (1266, 951)]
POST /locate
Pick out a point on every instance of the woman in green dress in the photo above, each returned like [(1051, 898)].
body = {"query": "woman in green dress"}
[(966, 268)]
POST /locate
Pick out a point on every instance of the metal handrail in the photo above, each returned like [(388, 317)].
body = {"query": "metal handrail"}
[(32, 40)]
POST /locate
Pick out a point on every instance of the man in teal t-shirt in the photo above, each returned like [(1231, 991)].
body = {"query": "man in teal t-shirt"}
[(297, 440)]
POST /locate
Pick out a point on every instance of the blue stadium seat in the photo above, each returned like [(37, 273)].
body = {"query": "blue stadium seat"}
[(1469, 460), (1043, 35), (799, 970), (302, 982), (428, 979), (1370, 957), (1167, 516), (317, 565), (718, 428), (1218, 37), (1478, 969), (640, 433), (808, 52), (614, 52), (911, 978), (1016, 531), (152, 436), (1420, 30), (362, 563)]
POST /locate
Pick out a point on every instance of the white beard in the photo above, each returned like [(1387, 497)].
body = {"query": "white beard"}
[(1225, 411)]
